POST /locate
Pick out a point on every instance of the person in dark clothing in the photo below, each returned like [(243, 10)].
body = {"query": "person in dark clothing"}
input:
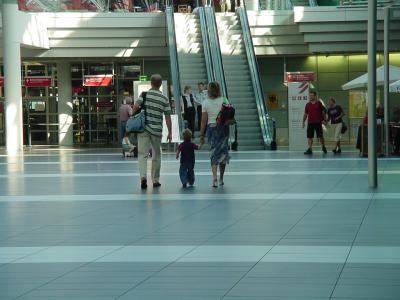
[(335, 117), (314, 114), (189, 110), (395, 130), (186, 153)]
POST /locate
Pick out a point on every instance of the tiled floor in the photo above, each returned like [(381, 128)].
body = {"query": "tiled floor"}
[(74, 225)]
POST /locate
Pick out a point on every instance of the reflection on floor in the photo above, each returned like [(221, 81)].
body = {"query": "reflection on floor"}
[(75, 225)]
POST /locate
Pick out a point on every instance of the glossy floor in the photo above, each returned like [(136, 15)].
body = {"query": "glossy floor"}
[(75, 225)]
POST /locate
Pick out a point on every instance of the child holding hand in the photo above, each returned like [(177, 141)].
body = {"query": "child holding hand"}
[(186, 153)]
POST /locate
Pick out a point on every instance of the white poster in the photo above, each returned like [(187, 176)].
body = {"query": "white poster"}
[(176, 138), (144, 86), (298, 93)]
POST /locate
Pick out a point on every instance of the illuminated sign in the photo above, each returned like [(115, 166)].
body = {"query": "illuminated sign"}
[(98, 80)]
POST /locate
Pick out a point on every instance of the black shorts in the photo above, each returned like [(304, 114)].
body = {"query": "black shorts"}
[(314, 127)]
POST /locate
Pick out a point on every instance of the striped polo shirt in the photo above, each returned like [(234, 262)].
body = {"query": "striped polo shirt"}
[(156, 105)]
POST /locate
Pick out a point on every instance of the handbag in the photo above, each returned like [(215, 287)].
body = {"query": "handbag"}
[(137, 122), (226, 115), (344, 128)]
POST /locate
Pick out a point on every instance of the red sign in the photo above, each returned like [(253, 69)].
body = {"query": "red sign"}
[(37, 81), (300, 76), (1, 81), (98, 80), (104, 104), (77, 90)]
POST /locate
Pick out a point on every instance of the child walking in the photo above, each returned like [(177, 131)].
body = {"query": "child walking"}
[(186, 152)]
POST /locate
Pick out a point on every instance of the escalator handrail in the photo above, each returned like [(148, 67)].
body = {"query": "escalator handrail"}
[(173, 53), (255, 77), (218, 66), (206, 45)]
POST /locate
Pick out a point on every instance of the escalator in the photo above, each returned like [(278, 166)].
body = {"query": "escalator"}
[(208, 47), (189, 60), (243, 81)]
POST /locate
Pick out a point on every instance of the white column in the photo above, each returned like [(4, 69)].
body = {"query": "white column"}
[(12, 78), (65, 127), (372, 158)]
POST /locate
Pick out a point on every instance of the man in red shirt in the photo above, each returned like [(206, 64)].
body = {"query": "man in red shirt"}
[(314, 113)]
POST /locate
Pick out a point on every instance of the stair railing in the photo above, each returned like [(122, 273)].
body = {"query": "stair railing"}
[(215, 49), (174, 65), (206, 45), (263, 115)]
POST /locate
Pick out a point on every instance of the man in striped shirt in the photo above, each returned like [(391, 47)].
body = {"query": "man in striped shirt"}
[(155, 105)]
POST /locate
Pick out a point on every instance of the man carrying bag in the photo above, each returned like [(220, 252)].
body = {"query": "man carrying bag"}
[(155, 106)]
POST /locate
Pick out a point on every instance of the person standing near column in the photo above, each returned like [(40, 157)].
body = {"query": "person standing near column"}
[(314, 114), (125, 111), (189, 112), (199, 98), (155, 106)]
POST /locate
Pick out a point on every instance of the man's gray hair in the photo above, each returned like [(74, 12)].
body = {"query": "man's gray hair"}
[(128, 100), (156, 80)]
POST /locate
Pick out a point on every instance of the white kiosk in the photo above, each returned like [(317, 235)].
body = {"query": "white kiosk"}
[(143, 86), (298, 96)]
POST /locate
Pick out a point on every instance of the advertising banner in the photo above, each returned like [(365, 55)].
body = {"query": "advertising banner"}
[(175, 130), (37, 81), (143, 86), (98, 80), (104, 104), (300, 76), (34, 81), (298, 93)]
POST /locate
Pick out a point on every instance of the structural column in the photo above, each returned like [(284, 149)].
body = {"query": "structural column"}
[(372, 159), (65, 127), (12, 77), (386, 80)]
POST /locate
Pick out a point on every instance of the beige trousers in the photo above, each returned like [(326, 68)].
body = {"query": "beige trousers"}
[(147, 141)]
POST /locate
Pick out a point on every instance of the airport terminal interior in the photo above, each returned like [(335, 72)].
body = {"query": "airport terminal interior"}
[(283, 224)]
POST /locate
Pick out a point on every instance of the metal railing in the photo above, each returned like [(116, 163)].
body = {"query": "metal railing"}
[(255, 78), (364, 3), (206, 45), (88, 5), (215, 49), (174, 64)]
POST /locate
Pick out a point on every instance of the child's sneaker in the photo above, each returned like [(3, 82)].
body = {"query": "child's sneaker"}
[(184, 185)]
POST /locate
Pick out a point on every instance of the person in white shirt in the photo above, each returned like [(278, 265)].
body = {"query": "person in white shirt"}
[(199, 97), (218, 134), (189, 111)]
